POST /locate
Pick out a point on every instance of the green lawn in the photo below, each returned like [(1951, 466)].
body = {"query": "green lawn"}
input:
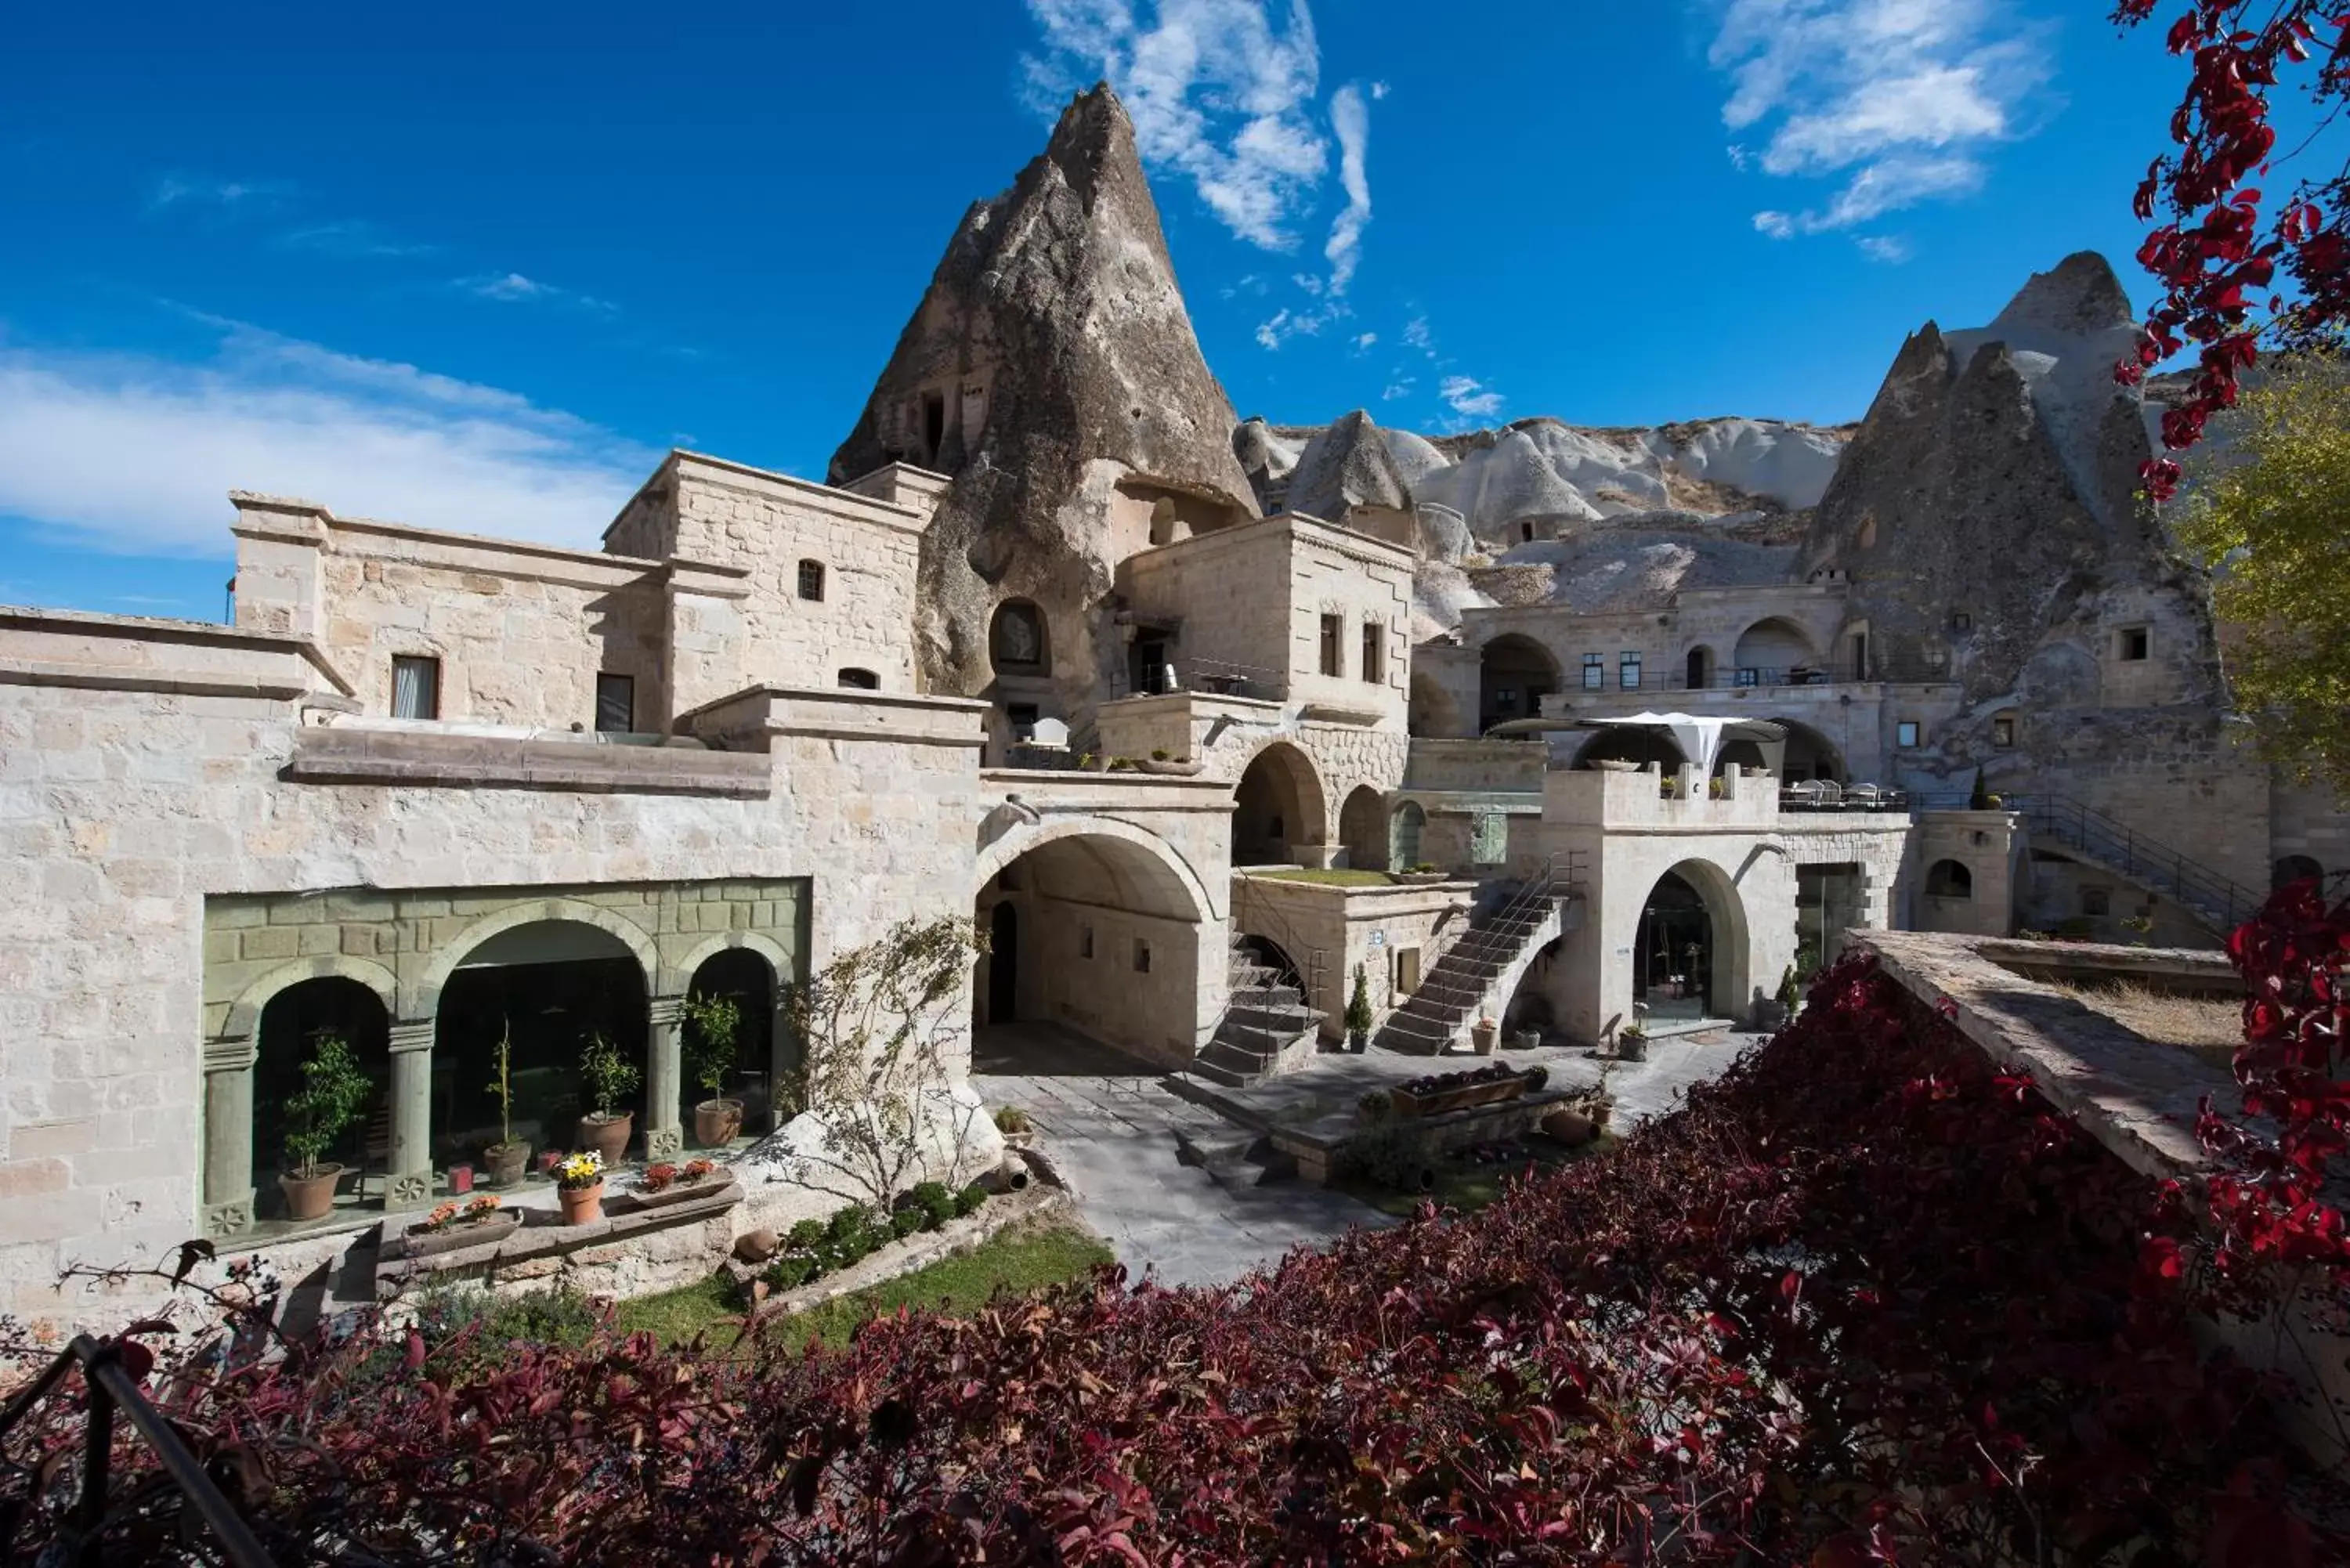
[(1469, 1188), (1017, 1261), (1329, 879)]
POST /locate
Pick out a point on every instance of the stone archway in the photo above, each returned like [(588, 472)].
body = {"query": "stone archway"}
[(1114, 938), (1690, 948), (1769, 650), (290, 1026), (1514, 673), (1806, 754), (1279, 815), (1362, 829)]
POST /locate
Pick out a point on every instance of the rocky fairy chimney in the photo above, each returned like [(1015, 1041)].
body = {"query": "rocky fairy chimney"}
[(1052, 371)]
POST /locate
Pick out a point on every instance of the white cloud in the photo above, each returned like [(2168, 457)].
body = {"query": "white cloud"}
[(1363, 340), (514, 289), (1470, 398), (1416, 336), (1351, 119), (351, 238), (1220, 91), (1901, 99), (1395, 389), (1379, 90), (180, 190), (1286, 323), (1890, 249), (134, 453), (1269, 333)]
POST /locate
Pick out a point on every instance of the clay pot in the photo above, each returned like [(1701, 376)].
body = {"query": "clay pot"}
[(607, 1135), (757, 1246), (1481, 1036), (311, 1197), (1571, 1129), (582, 1205), (507, 1162), (715, 1122), (1631, 1048)]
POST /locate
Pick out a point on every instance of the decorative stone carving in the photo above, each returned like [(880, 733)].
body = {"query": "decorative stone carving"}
[(663, 1143), (409, 1190), (233, 1218)]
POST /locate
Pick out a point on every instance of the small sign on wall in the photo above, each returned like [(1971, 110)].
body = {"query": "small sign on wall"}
[(1379, 939)]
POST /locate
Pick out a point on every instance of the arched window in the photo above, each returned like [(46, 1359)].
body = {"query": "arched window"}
[(812, 581), (2293, 868), (861, 679), (1015, 640), (1410, 821), (1949, 879)]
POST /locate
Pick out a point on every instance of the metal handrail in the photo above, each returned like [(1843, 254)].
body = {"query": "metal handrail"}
[(1315, 959), (113, 1390), (2117, 845), (1479, 938)]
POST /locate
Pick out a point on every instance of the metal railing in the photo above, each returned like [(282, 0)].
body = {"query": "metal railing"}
[(113, 1391), (1495, 940), (2115, 844), (1215, 676), (1311, 962)]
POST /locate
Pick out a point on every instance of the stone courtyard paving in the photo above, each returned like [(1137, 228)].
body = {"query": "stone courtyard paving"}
[(1167, 1181)]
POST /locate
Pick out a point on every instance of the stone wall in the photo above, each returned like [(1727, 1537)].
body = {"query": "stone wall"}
[(1376, 927), (123, 812), (1989, 847)]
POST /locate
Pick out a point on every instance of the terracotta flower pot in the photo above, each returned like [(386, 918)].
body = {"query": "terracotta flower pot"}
[(1481, 1036), (507, 1162), (311, 1197), (581, 1205), (607, 1135), (715, 1122)]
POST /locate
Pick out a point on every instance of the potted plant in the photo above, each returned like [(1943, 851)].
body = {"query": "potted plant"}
[(608, 1076), (509, 1157), (1158, 762), (579, 1188), (1632, 1045), (1013, 1124), (1482, 1034), (1358, 1013), (1791, 992), (333, 1090), (451, 1226), (1425, 872), (711, 1027)]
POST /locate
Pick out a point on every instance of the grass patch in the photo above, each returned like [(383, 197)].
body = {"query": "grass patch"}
[(1469, 1188), (2211, 1026), (1017, 1261), (1329, 879)]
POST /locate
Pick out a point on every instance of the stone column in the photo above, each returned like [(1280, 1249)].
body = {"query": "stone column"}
[(228, 1135), (664, 1079), (409, 1184)]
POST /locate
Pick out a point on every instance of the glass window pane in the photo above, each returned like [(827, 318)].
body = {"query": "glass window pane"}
[(415, 687), (616, 703)]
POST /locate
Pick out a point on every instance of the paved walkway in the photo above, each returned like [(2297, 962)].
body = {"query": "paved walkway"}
[(1110, 1124), (1114, 1128)]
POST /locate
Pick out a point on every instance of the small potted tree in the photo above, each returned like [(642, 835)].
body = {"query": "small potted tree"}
[(509, 1157), (579, 1187), (333, 1090), (1358, 1013), (1484, 1034), (609, 1077), (713, 1023)]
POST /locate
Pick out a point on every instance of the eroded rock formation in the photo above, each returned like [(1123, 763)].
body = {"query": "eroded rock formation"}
[(1052, 371)]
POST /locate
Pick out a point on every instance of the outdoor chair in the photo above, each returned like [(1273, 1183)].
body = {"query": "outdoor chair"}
[(1868, 796), (1805, 793)]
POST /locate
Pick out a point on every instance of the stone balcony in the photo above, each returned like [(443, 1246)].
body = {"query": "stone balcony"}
[(1639, 800), (416, 753)]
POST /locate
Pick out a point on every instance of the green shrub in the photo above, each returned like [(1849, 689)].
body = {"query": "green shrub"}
[(906, 1221), (1376, 1106), (804, 1237), (936, 1202), (969, 1200), (1012, 1119), (790, 1271), (1384, 1157)]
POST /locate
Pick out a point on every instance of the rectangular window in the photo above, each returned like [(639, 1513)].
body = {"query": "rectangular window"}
[(1334, 652), (1141, 956), (1407, 971), (2135, 642), (415, 686), (1595, 673), (1505, 701), (2002, 731), (1749, 677), (1375, 652), (615, 704), (2097, 901), (1627, 672), (1905, 734), (1085, 941), (811, 581)]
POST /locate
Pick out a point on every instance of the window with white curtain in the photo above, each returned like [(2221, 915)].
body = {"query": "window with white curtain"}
[(415, 686)]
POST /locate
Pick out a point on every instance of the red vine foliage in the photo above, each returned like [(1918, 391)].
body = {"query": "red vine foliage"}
[(2279, 1203), (2214, 256), (1865, 1301)]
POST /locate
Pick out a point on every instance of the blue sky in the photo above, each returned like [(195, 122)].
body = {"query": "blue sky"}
[(475, 267)]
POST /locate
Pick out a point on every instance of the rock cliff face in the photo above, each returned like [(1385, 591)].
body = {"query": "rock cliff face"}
[(1986, 513), (1051, 369)]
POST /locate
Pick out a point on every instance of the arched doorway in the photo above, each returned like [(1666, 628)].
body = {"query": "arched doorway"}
[(1688, 950), (1771, 650), (745, 978), (1410, 823), (548, 986), (1362, 829), (2293, 868), (1810, 754), (1697, 670), (1099, 933), (1276, 809), (294, 1023), (1514, 673), (1003, 963)]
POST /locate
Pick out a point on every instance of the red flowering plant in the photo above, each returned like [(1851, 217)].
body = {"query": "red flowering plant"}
[(1867, 1300)]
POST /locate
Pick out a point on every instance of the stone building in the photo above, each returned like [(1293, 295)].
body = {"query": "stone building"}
[(1064, 648)]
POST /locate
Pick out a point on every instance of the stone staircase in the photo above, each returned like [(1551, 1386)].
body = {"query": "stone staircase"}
[(1267, 1029), (2089, 835), (1487, 960)]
